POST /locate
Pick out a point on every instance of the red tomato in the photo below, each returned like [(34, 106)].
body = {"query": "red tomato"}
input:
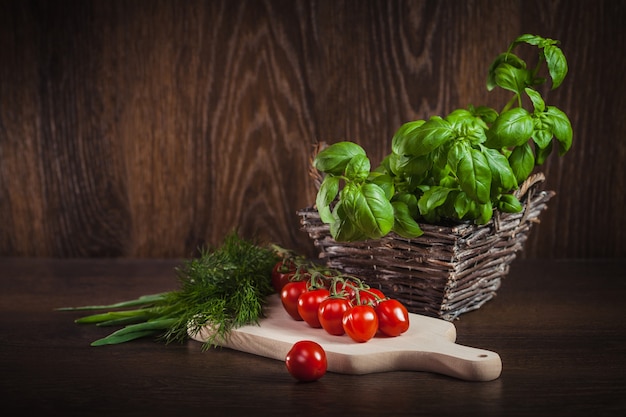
[(393, 317), (309, 303), (282, 273), (369, 296), (360, 322), (330, 314), (289, 296), (306, 361)]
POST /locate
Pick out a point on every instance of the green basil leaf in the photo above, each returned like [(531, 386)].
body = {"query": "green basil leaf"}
[(511, 78), (504, 58), (487, 114), (462, 204), (427, 137), (512, 128), (432, 198), (522, 161), (502, 177), (403, 165), (536, 99), (343, 229), (326, 194), (368, 208), (557, 64), (410, 200), (358, 168), (562, 128), (334, 159), (385, 182), (472, 171), (529, 39), (404, 225), (404, 134), (542, 135), (508, 203), (541, 154), (485, 213)]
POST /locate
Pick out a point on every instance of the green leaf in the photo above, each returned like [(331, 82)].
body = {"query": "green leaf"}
[(334, 159), (368, 208), (541, 154), (529, 39), (385, 182), (502, 177), (508, 203), (403, 165), (404, 224), (557, 64), (562, 129), (404, 134), (326, 194), (487, 114), (462, 204), (343, 229), (472, 171), (522, 161), (432, 198), (506, 58), (542, 135), (486, 213), (427, 137), (512, 128), (358, 168), (410, 199), (512, 78), (536, 99)]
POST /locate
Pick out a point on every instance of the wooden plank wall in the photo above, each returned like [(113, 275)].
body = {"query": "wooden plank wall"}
[(149, 128)]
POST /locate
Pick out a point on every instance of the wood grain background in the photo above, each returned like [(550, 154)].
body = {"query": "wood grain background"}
[(148, 128)]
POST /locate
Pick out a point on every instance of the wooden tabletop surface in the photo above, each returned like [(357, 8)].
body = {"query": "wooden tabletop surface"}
[(558, 326)]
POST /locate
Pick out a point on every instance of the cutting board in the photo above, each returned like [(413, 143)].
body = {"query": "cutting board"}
[(428, 346)]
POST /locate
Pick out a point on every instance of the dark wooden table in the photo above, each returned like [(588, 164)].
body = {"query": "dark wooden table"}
[(557, 325)]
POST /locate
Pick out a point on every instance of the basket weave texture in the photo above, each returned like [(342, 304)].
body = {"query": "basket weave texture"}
[(446, 272)]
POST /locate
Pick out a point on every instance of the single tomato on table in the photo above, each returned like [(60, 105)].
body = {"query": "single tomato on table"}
[(306, 361)]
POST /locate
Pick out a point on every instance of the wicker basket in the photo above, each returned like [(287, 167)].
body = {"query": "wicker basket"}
[(447, 271)]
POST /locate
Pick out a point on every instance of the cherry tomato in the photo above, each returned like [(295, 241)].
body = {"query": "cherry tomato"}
[(306, 361), (289, 297), (393, 317), (360, 322), (330, 314), (308, 304), (282, 273), (369, 296)]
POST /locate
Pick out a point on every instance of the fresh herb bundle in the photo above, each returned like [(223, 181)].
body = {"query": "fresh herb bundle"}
[(455, 168), (225, 288)]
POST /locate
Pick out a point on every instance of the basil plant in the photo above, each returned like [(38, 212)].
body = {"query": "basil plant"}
[(457, 168)]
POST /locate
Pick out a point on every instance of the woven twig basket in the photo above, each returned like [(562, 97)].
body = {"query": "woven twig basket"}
[(449, 270)]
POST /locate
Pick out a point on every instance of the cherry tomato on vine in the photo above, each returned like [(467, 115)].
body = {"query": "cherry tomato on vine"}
[(289, 297), (308, 304), (330, 314), (393, 317), (360, 322), (369, 296), (306, 361), (282, 273)]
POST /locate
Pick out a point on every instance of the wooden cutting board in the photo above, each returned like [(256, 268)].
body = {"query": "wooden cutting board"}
[(429, 345)]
